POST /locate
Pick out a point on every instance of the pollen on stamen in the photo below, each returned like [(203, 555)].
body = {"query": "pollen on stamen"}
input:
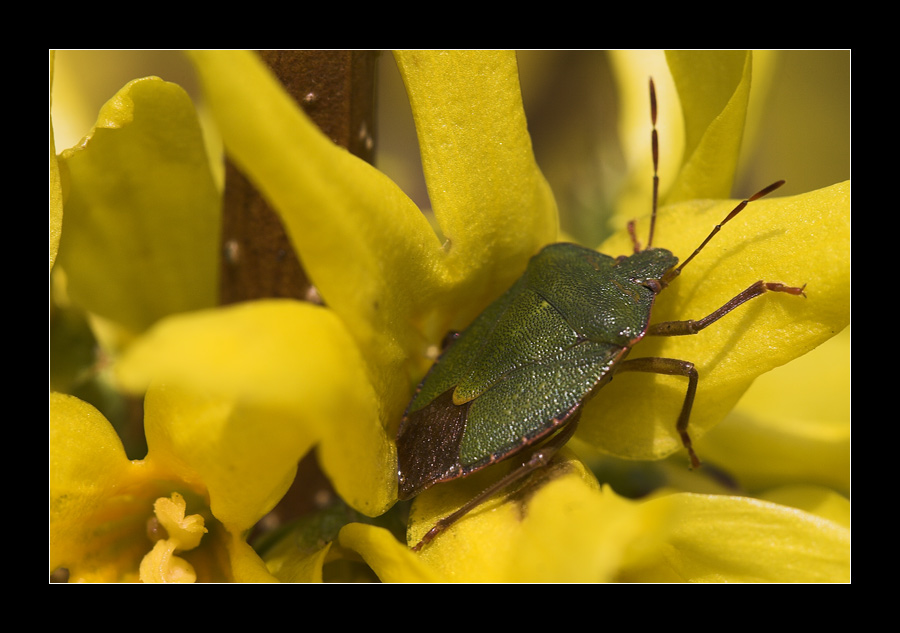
[(182, 533)]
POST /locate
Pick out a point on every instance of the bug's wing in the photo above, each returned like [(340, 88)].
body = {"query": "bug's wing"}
[(529, 332), (456, 362), (428, 444), (532, 401), (444, 440), (517, 331)]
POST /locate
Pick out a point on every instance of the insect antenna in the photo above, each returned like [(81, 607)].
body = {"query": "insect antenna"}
[(672, 274), (654, 142)]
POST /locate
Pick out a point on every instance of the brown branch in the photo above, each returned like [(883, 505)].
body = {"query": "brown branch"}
[(337, 90)]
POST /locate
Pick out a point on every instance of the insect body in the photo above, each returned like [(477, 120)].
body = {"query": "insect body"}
[(513, 383)]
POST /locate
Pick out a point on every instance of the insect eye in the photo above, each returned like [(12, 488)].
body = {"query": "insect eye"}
[(652, 284)]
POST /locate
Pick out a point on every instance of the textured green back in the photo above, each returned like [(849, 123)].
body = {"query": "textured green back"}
[(534, 355)]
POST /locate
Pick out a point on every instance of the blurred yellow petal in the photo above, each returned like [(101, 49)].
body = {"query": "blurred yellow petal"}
[(738, 539), (797, 240), (99, 500), (246, 565), (814, 500), (140, 239), (391, 560), (792, 425), (329, 545), (87, 463), (56, 207), (633, 70), (299, 551), (286, 376), (702, 101), (245, 457), (765, 66), (102, 520), (56, 204), (557, 527), (714, 90), (264, 352), (296, 565), (575, 533)]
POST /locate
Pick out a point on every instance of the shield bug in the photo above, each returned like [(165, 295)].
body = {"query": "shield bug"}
[(513, 383)]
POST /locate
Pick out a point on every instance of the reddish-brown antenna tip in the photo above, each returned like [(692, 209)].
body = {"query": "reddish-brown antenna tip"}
[(766, 191)]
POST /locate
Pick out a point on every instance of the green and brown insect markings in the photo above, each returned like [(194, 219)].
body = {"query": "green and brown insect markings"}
[(513, 383)]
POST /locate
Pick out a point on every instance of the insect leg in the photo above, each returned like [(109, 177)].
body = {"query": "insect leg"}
[(672, 367), (690, 326), (535, 459)]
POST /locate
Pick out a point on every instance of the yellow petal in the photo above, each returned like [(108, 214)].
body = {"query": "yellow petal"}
[(391, 560), (792, 425), (557, 527), (714, 90), (738, 539), (56, 207), (575, 533), (246, 565), (814, 500), (493, 204), (141, 232), (245, 457), (312, 548), (702, 101), (99, 502), (268, 380), (297, 565)]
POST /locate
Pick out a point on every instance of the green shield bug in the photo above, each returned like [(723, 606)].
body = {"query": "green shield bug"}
[(513, 383)]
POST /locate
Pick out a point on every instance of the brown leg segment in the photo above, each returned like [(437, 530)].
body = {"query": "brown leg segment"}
[(681, 328), (672, 367), (537, 458)]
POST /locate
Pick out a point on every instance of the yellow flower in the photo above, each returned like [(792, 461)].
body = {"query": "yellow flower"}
[(114, 519), (277, 378)]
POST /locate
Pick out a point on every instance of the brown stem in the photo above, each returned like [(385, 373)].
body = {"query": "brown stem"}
[(337, 90)]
